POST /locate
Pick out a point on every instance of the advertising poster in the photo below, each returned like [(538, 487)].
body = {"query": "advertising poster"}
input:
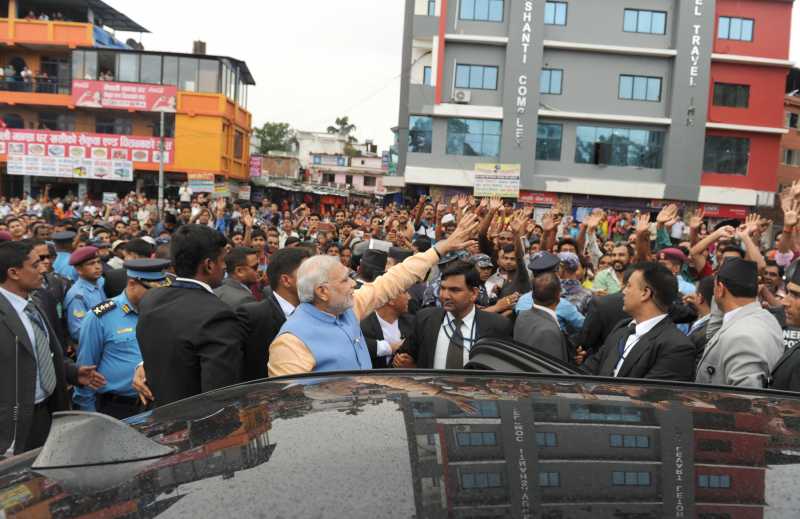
[(497, 180), (124, 96), (201, 182)]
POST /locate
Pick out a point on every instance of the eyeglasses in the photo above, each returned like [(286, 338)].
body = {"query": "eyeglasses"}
[(44, 257)]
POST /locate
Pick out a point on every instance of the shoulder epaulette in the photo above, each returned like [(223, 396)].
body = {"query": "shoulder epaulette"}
[(104, 307)]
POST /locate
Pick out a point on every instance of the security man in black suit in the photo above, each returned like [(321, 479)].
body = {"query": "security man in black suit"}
[(385, 328), (649, 345), (261, 321), (33, 372), (786, 373), (442, 337), (191, 342), (50, 296)]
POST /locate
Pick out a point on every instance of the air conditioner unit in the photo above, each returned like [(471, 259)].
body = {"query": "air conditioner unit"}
[(462, 96)]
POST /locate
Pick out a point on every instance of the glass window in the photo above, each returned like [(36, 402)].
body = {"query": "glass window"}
[(60, 122), (427, 77), (729, 155), (548, 141), (128, 67), (555, 13), (550, 81), (77, 64), (170, 70), (640, 88), (615, 440), (482, 10), (431, 7), (209, 75), (644, 21), (616, 147), (630, 479), (476, 77), (734, 96), (473, 137), (714, 481), (238, 145), (150, 69), (549, 479), (476, 439), (473, 480), (420, 134), (740, 29), (546, 439), (90, 65), (114, 125), (187, 74), (369, 181)]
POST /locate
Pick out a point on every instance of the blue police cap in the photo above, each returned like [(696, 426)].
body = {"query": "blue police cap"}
[(543, 261), (152, 271)]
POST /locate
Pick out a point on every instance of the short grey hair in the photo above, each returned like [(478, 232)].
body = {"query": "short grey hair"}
[(312, 273)]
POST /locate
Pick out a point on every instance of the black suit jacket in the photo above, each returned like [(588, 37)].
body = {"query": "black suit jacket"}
[(603, 315), (16, 350), (116, 281), (786, 374), (260, 322), (371, 328), (699, 339), (50, 299), (663, 353), (421, 344), (191, 342)]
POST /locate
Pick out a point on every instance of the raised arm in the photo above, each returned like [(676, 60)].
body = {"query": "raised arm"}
[(697, 250), (745, 234), (550, 223), (643, 250), (695, 221)]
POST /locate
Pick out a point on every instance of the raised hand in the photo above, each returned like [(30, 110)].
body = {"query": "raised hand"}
[(495, 203), (462, 237), (643, 223), (751, 223), (668, 213), (593, 220), (696, 220)]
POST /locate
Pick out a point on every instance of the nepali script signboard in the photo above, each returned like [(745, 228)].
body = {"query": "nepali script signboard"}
[(124, 96), (497, 180), (79, 155)]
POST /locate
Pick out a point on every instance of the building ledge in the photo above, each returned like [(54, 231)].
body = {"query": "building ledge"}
[(586, 116), (474, 111), (610, 49), (476, 38), (752, 60), (746, 128)]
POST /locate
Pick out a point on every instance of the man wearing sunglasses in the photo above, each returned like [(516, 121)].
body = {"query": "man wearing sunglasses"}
[(50, 296), (108, 341), (786, 373)]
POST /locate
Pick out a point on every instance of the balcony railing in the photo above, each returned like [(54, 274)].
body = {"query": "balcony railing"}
[(40, 85), (41, 32)]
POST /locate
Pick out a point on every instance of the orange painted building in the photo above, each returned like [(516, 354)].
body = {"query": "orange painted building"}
[(41, 58)]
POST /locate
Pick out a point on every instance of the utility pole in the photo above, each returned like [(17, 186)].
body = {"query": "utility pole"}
[(161, 170)]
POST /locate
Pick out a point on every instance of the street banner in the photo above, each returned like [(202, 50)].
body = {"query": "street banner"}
[(244, 191), (83, 146), (110, 198), (221, 190), (201, 182), (497, 180), (124, 96), (538, 198), (256, 163), (81, 169)]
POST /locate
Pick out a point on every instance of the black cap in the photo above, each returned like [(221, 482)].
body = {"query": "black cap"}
[(399, 254), (543, 262), (100, 244), (740, 272), (64, 236), (732, 222), (375, 259), (450, 257), (104, 226)]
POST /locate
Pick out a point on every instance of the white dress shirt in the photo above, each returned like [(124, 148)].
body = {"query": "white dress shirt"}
[(548, 312), (445, 332), (19, 304), (641, 329), (391, 334), (286, 306), (196, 282)]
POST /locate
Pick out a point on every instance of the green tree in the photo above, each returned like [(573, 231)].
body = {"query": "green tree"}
[(274, 137), (343, 127)]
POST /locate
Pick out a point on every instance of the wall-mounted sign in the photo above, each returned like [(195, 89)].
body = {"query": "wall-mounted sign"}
[(522, 81), (497, 180), (697, 40), (124, 96)]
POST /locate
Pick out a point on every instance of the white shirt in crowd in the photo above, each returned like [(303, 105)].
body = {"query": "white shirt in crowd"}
[(391, 335), (286, 306), (445, 332)]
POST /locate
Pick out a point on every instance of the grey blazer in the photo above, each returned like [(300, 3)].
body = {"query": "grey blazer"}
[(537, 329), (233, 294), (743, 351)]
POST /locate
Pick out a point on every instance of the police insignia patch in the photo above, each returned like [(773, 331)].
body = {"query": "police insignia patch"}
[(103, 308), (78, 313), (126, 308)]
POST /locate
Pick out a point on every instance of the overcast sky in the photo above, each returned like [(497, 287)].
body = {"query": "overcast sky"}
[(313, 60)]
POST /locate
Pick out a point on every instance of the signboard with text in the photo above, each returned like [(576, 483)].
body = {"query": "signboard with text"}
[(82, 169), (256, 163), (201, 182), (124, 96), (244, 192), (497, 180)]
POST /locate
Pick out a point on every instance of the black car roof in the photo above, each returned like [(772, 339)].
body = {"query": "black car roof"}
[(431, 444)]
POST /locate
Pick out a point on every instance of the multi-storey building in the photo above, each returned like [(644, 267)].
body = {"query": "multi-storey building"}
[(789, 170), (80, 109), (650, 99)]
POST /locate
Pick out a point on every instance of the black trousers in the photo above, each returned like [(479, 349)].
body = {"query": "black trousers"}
[(40, 426), (117, 406)]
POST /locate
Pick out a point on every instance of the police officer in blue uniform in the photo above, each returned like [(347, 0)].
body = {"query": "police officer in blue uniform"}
[(87, 292), (108, 341), (63, 242)]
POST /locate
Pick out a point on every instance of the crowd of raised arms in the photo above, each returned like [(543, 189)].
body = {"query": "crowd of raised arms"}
[(142, 307)]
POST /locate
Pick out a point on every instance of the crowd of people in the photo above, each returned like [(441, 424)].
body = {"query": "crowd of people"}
[(116, 307)]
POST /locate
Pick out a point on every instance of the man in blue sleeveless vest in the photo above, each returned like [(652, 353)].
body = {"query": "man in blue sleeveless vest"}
[(323, 334)]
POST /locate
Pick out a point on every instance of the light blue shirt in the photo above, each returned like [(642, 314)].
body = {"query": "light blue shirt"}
[(569, 318), (19, 304), (80, 299), (684, 287), (109, 342), (62, 267)]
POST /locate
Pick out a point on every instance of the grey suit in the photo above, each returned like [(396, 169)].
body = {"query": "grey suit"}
[(233, 294), (537, 329), (743, 351)]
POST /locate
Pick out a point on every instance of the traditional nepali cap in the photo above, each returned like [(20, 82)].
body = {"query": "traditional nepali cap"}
[(151, 271), (570, 260), (543, 262), (448, 218), (375, 258), (82, 255), (481, 261), (117, 243), (63, 236), (740, 272), (673, 254)]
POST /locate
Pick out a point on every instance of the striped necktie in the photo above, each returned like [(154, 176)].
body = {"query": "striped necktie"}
[(44, 358)]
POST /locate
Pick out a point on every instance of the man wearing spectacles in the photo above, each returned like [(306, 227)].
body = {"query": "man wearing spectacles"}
[(50, 296), (242, 266)]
